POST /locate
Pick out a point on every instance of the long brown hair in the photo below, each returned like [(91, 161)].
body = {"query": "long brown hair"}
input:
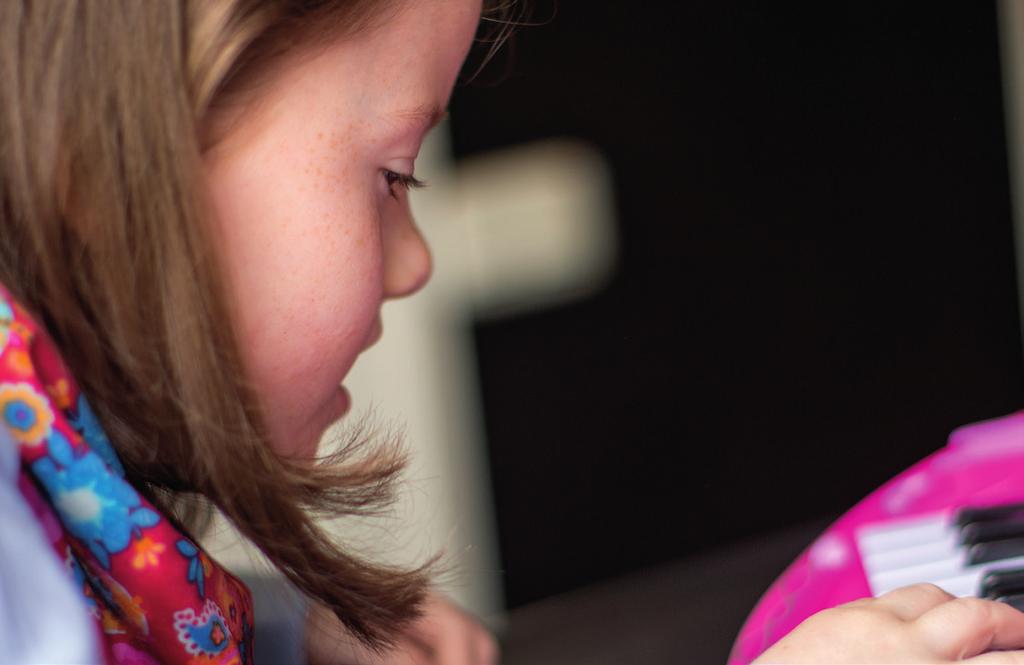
[(104, 236)]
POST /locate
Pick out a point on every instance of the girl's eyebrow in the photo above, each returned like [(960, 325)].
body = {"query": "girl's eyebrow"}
[(430, 114)]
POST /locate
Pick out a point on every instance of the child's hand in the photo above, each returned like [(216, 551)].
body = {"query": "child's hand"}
[(915, 624), (444, 635)]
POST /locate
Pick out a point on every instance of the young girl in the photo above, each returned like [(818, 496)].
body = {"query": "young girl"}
[(204, 205)]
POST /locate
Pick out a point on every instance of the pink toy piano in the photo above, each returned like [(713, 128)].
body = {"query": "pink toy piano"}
[(955, 519)]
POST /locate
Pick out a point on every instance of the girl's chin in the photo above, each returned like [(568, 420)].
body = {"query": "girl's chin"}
[(337, 407), (304, 444)]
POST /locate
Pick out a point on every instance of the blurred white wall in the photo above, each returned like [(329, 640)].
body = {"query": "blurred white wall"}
[(518, 230), (527, 228)]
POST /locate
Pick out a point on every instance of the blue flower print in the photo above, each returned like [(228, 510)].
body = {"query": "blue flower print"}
[(6, 316), (6, 313), (195, 566), (95, 505), (85, 423)]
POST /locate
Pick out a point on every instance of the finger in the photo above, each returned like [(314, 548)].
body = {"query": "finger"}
[(966, 627), (486, 648), (454, 643), (910, 602), (422, 645), (1000, 657), (449, 634), (406, 654), (417, 652), (352, 652)]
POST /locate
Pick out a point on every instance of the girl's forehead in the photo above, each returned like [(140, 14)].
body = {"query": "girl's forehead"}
[(385, 84), (401, 72)]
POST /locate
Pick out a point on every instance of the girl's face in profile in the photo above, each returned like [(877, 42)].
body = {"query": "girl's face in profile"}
[(313, 221)]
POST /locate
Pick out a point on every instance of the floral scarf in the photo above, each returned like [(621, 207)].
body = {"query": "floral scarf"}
[(154, 593)]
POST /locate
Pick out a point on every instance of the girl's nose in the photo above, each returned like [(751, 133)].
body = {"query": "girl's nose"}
[(407, 262)]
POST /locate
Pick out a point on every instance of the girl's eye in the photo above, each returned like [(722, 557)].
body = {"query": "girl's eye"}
[(402, 180)]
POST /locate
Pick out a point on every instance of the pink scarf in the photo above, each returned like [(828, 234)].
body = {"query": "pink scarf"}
[(155, 594)]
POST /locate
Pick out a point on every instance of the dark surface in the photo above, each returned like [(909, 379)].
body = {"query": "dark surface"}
[(686, 611), (816, 278)]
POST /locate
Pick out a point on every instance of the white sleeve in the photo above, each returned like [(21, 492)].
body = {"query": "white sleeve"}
[(43, 618)]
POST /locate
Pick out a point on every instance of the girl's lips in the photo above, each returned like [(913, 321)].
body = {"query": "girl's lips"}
[(342, 398), (344, 402), (375, 333)]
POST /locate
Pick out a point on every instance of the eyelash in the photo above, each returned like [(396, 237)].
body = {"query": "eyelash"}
[(403, 180)]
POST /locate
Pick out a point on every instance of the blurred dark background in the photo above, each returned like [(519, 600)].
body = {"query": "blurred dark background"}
[(816, 278)]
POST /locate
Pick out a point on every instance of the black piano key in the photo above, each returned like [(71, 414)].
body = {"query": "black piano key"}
[(1002, 583), (968, 515), (995, 550), (983, 532), (1016, 602)]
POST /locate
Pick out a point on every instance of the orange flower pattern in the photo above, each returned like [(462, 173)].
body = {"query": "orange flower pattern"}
[(19, 362), (60, 392), (147, 553)]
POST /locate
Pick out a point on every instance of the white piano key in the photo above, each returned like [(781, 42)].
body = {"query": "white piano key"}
[(888, 580), (898, 534), (962, 586), (902, 552), (939, 571), (892, 559)]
